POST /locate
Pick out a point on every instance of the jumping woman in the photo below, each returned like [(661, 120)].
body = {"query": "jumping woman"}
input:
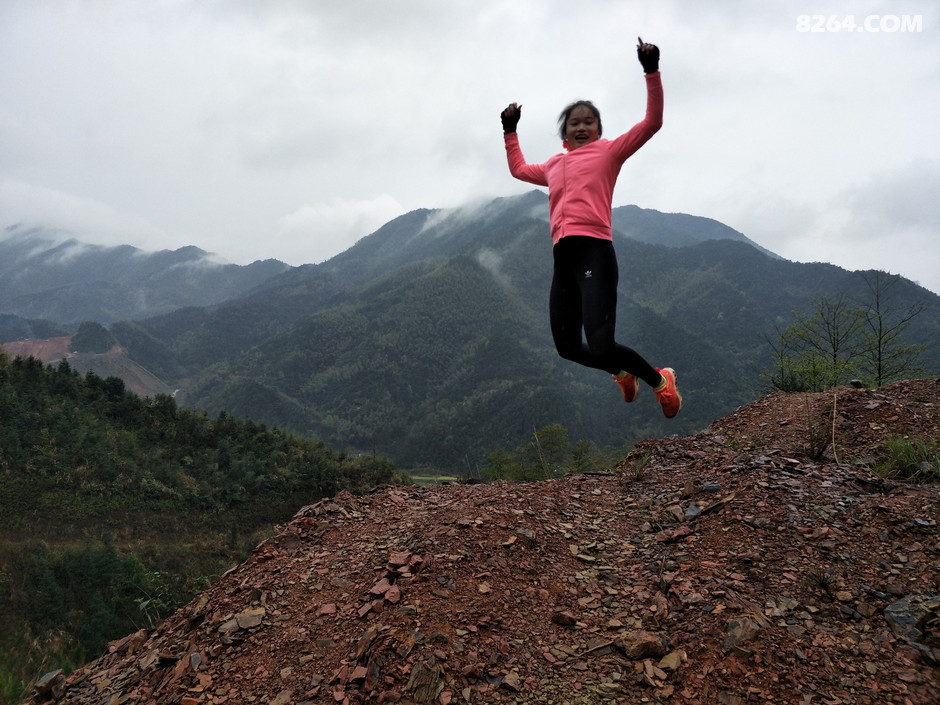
[(580, 185)]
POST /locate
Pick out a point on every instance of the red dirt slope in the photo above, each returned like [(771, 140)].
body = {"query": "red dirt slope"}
[(724, 567)]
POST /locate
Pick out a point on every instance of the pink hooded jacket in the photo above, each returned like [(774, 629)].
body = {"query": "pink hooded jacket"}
[(581, 182)]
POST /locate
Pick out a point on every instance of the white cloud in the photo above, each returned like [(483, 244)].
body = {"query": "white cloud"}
[(212, 123), (900, 198), (30, 205), (314, 233), (890, 222)]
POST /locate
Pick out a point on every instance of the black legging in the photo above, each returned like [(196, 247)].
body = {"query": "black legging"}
[(584, 295)]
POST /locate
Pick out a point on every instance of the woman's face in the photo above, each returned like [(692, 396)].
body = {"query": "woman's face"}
[(581, 127)]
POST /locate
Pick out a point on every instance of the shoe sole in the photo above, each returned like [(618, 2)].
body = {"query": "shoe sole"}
[(672, 377)]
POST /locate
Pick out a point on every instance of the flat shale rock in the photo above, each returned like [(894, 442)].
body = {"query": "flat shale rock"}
[(734, 567)]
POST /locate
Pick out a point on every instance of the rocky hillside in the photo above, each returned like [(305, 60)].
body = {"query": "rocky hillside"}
[(759, 561)]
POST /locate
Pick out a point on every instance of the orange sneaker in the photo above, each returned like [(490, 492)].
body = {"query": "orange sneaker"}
[(628, 385), (667, 394)]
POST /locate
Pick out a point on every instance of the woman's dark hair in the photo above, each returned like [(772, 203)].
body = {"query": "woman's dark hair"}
[(566, 113)]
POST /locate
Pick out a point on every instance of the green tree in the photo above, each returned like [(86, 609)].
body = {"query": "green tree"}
[(837, 341), (548, 451), (584, 457), (43, 596), (502, 465), (884, 357), (827, 341), (91, 337), (548, 454)]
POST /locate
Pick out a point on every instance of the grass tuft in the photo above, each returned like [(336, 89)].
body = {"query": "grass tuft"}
[(910, 459), (635, 470)]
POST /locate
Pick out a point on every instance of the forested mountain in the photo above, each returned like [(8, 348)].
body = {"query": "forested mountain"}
[(114, 509), (45, 274), (429, 340)]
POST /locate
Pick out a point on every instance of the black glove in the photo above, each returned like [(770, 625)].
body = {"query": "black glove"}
[(510, 117), (649, 58)]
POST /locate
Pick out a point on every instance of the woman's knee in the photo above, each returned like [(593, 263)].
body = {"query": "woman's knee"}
[(601, 342), (567, 350)]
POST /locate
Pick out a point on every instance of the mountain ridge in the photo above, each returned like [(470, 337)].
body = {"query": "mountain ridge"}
[(448, 309), (683, 306), (49, 274)]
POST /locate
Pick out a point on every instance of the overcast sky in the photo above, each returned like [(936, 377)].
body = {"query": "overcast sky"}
[(291, 128)]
